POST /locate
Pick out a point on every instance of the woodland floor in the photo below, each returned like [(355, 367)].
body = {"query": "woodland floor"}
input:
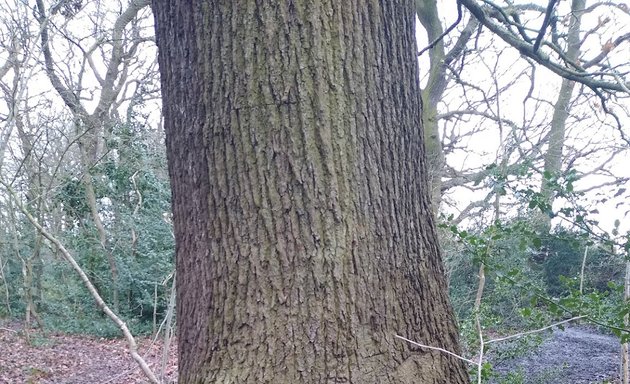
[(74, 359), (573, 356)]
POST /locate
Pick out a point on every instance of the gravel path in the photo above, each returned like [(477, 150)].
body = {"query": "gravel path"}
[(574, 356)]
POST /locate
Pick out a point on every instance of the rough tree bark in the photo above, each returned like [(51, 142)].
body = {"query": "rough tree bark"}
[(305, 238)]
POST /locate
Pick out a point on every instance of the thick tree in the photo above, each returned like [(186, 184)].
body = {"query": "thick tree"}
[(305, 238)]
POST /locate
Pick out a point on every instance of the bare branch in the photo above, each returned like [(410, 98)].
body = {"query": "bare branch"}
[(545, 24), (521, 334), (579, 75), (437, 349)]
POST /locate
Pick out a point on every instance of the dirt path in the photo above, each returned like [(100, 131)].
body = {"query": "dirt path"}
[(574, 356)]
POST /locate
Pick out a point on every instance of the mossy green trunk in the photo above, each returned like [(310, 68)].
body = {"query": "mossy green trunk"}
[(305, 239)]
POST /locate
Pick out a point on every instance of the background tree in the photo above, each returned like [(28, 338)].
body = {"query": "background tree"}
[(117, 48), (305, 238)]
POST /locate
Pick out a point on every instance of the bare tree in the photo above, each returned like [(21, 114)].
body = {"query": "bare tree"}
[(75, 59)]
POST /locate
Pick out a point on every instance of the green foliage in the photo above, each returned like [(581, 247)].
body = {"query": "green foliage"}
[(73, 199), (504, 249), (133, 198), (562, 254), (514, 377), (534, 276)]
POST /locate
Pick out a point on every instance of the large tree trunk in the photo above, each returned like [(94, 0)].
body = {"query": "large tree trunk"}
[(305, 239)]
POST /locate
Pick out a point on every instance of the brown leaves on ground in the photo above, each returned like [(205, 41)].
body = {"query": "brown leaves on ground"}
[(73, 359)]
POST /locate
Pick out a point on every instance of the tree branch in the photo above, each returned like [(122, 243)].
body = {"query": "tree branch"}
[(131, 342), (526, 49)]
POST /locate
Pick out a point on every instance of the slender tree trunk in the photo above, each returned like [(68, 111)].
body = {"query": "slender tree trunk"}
[(102, 235), (32, 263), (428, 16), (557, 133), (437, 81), (305, 237)]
